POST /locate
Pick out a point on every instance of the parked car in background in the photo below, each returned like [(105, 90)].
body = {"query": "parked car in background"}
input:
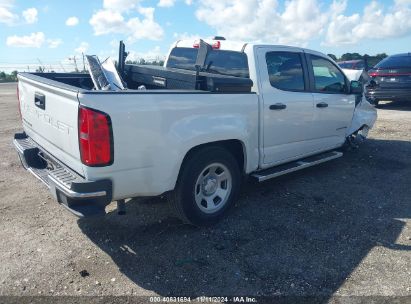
[(390, 79)]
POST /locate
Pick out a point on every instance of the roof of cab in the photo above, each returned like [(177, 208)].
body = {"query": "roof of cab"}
[(227, 45), (232, 45), (240, 46)]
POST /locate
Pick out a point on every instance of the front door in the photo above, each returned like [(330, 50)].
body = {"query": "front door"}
[(333, 105)]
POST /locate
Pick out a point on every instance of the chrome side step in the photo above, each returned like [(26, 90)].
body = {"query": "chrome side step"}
[(296, 165)]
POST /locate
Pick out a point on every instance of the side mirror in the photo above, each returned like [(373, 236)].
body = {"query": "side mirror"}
[(356, 87)]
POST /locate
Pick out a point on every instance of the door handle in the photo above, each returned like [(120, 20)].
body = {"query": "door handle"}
[(40, 101), (278, 106), (322, 105)]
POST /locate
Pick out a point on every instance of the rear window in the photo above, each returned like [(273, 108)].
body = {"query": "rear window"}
[(395, 62), (359, 65), (228, 63), (285, 71), (345, 65)]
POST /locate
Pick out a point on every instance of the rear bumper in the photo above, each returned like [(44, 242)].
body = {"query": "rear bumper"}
[(388, 94), (78, 195)]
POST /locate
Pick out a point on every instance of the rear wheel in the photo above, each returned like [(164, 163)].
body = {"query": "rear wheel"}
[(208, 184)]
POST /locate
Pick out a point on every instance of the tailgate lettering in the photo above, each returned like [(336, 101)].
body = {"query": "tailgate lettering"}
[(46, 118)]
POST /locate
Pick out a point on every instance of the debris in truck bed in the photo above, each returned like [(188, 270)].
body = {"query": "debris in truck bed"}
[(104, 75), (97, 74)]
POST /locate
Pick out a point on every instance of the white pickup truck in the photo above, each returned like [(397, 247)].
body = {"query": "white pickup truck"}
[(92, 147)]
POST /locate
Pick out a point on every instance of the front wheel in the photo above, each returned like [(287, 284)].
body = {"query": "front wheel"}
[(208, 184)]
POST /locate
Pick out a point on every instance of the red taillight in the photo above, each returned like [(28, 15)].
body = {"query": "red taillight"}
[(380, 74), (18, 100), (95, 137)]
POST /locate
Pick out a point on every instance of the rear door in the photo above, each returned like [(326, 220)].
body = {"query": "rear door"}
[(50, 116), (333, 105), (287, 114)]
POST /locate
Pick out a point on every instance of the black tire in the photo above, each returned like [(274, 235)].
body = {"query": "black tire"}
[(182, 199)]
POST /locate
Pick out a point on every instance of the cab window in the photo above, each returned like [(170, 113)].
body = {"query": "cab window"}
[(327, 77), (229, 63), (285, 71)]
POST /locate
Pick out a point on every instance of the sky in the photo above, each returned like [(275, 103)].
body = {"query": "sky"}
[(52, 33)]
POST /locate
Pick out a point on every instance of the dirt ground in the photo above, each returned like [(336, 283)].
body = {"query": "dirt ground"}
[(339, 229)]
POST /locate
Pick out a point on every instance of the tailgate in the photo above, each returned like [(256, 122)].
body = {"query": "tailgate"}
[(50, 116)]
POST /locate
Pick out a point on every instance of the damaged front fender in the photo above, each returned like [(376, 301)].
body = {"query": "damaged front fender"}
[(365, 115)]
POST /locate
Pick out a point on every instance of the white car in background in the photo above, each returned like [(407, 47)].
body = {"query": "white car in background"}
[(355, 70)]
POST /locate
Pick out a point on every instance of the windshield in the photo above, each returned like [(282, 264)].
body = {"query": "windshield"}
[(228, 63)]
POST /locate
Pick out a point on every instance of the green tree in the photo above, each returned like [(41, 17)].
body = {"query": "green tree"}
[(351, 56), (381, 56), (158, 62)]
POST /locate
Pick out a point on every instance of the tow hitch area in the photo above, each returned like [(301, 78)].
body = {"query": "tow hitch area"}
[(80, 196)]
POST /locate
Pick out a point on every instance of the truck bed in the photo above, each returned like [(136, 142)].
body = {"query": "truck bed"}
[(144, 124), (69, 81), (152, 78)]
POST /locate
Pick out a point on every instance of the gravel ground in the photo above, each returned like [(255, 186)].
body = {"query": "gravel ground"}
[(341, 228)]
